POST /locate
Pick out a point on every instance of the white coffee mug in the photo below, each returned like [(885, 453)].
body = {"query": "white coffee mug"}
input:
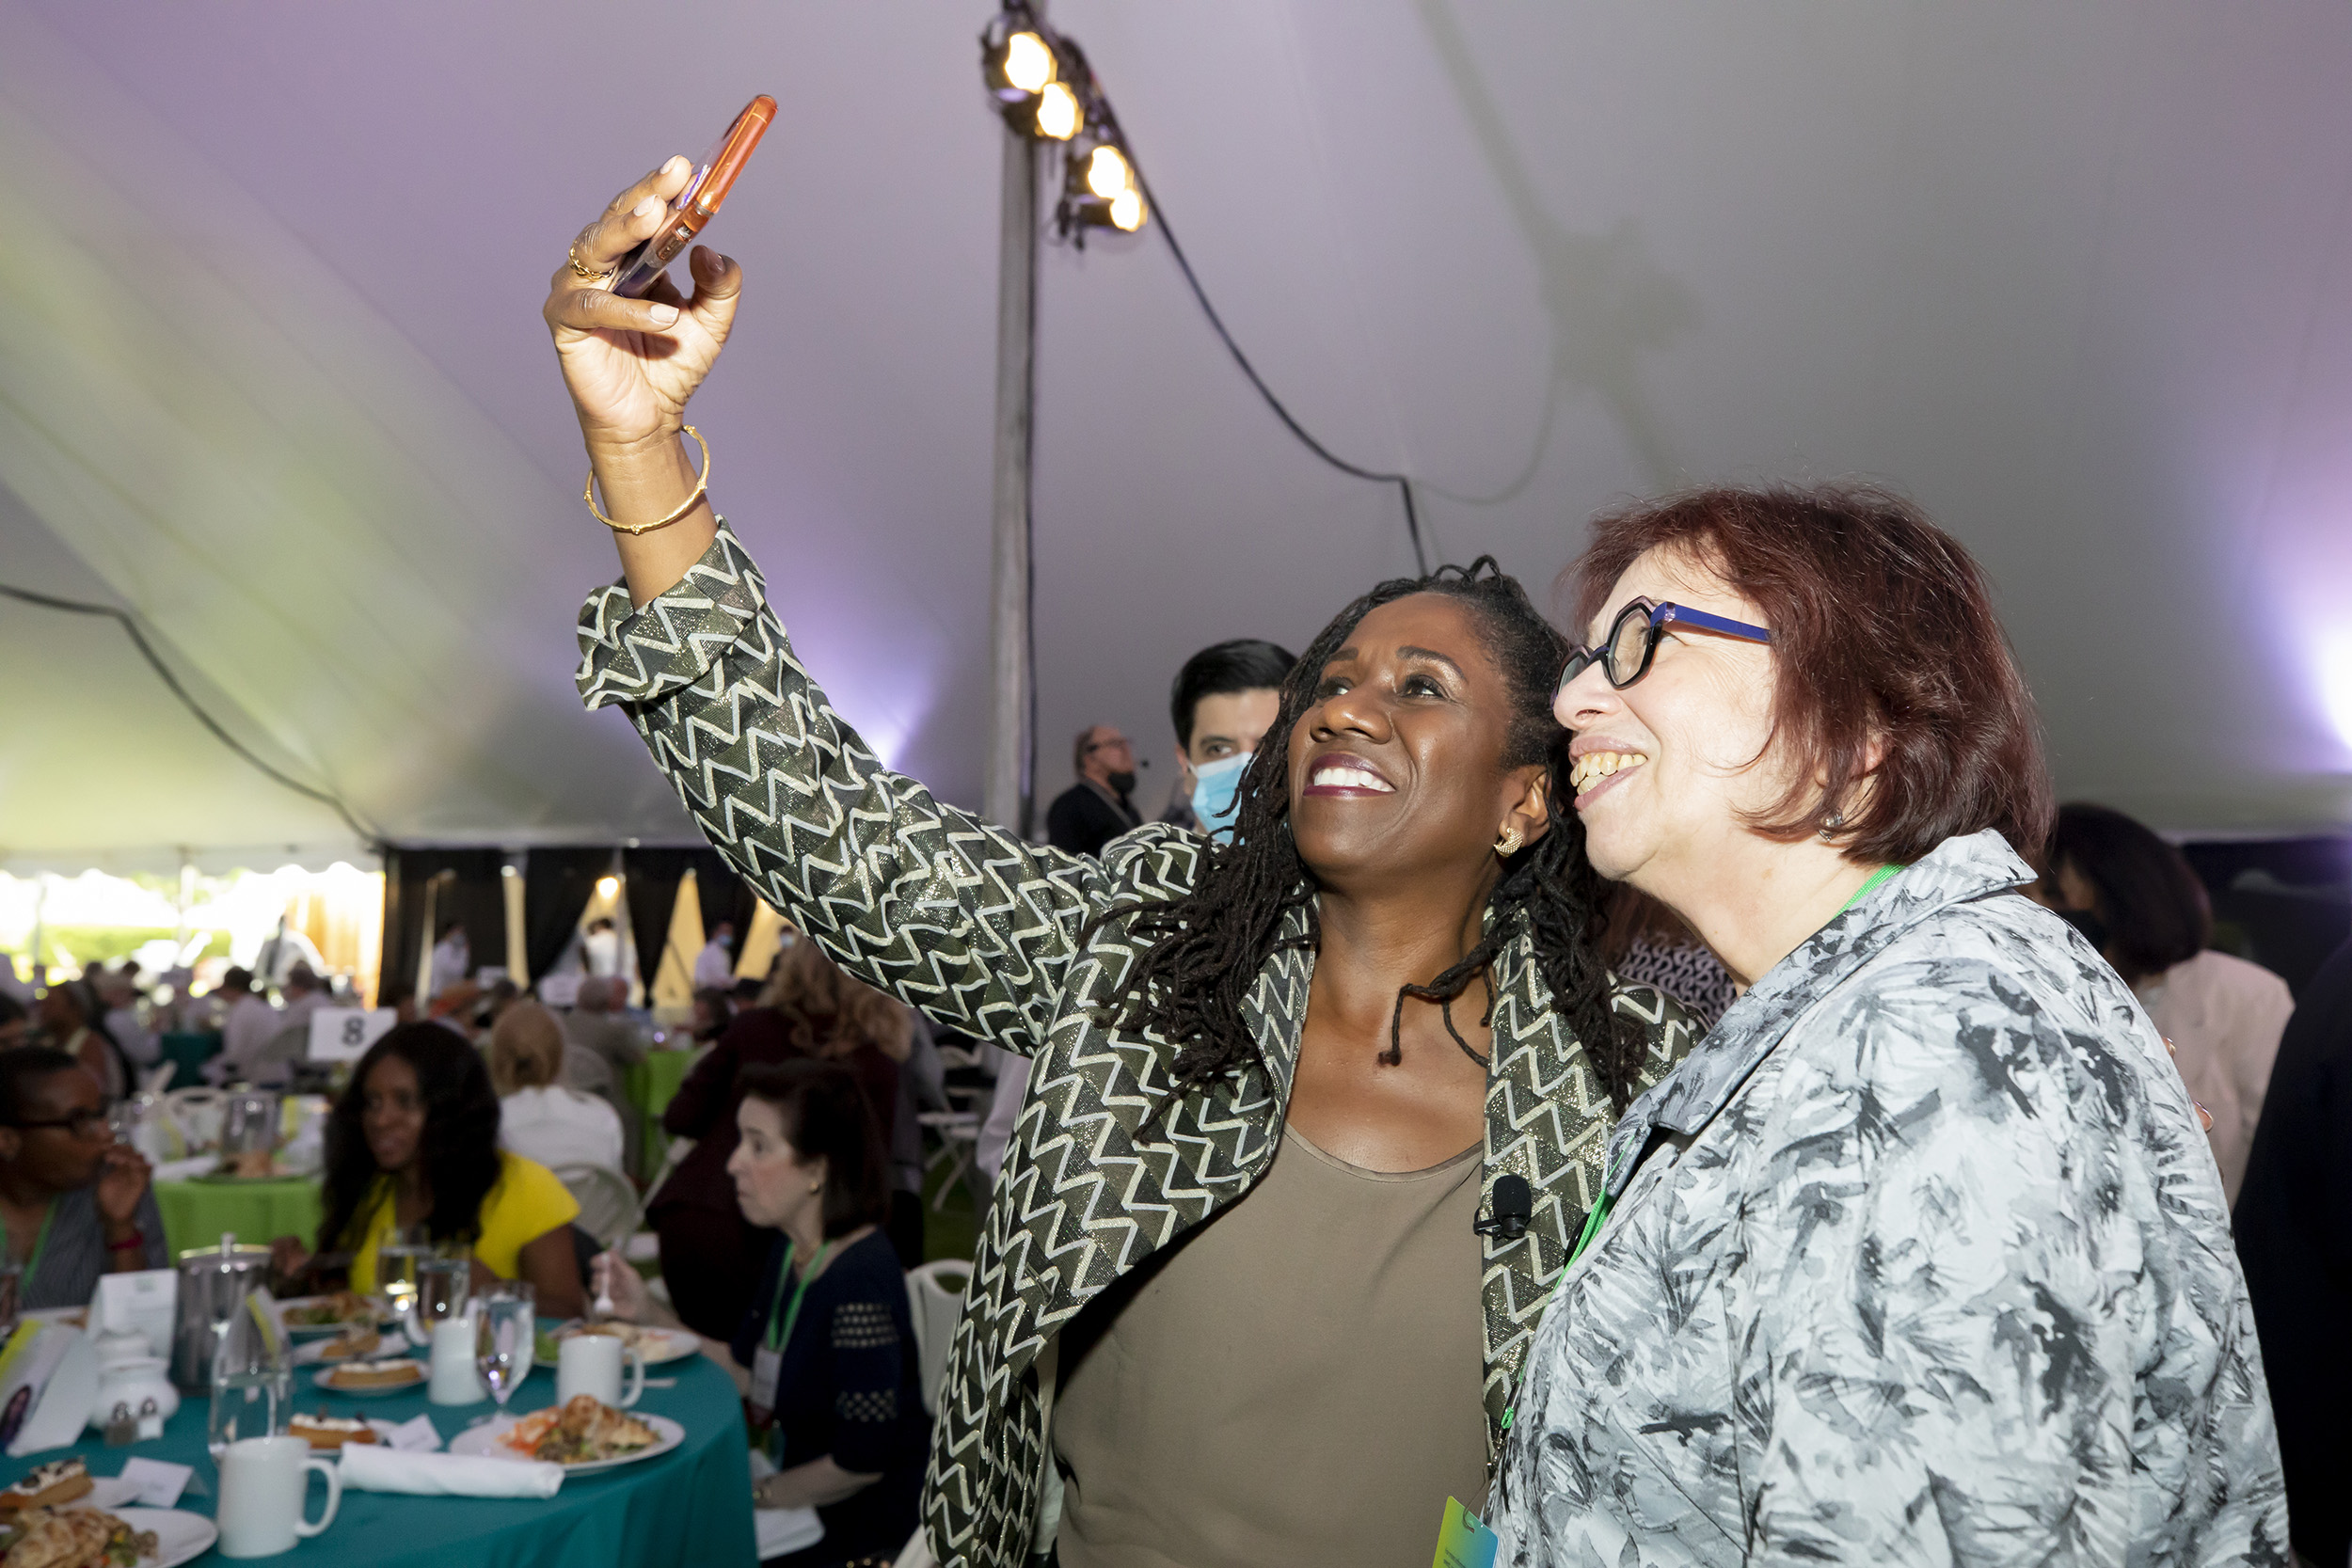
[(591, 1364), (261, 1484)]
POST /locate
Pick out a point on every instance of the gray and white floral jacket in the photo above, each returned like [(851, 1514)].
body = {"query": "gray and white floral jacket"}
[(1920, 1257)]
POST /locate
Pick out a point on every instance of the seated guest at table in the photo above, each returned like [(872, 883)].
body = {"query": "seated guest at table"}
[(713, 1011), (539, 1118), (118, 989), (595, 1023), (73, 1019), (1921, 1255), (414, 1142), (809, 1008), (248, 1024), (74, 1204), (825, 1350), (2136, 900)]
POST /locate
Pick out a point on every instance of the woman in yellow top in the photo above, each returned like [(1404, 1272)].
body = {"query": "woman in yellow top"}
[(414, 1142)]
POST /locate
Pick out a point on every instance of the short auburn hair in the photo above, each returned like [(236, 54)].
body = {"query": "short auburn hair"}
[(1883, 631)]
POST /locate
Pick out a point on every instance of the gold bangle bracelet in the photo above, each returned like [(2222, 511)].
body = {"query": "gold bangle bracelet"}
[(701, 484)]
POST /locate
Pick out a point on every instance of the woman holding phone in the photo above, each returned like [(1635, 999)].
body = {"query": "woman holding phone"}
[(1231, 1302)]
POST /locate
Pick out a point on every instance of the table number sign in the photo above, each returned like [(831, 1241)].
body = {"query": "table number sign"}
[(344, 1034)]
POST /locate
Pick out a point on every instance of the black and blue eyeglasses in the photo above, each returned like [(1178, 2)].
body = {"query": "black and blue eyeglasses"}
[(1632, 642)]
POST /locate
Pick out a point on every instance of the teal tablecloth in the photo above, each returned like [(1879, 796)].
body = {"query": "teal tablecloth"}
[(690, 1506), (189, 1054)]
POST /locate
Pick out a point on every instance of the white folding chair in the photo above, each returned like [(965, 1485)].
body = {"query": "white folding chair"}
[(959, 1134), (608, 1205), (935, 1300)]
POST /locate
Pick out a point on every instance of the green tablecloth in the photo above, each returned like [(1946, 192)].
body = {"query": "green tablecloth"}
[(650, 1085), (197, 1214), (690, 1506)]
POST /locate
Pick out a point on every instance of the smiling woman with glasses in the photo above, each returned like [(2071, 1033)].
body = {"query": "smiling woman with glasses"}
[(1921, 1255), (74, 1203)]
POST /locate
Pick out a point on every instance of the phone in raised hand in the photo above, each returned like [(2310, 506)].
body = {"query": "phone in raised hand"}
[(698, 203)]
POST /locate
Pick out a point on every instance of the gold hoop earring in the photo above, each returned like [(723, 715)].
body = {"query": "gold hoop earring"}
[(1508, 845)]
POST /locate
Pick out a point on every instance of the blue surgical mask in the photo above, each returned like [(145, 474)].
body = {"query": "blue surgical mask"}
[(1216, 792)]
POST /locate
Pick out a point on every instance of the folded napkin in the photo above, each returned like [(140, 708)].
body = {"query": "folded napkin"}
[(374, 1467)]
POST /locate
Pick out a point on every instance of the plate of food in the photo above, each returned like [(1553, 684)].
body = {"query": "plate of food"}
[(582, 1436), (370, 1379), (328, 1434), (357, 1341), (76, 1536), (654, 1346), (307, 1316)]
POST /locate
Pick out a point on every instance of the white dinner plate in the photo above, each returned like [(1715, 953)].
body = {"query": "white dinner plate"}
[(484, 1442), (325, 1381), (180, 1535), (656, 1347)]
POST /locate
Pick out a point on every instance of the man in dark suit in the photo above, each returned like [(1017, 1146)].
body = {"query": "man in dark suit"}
[(1095, 810)]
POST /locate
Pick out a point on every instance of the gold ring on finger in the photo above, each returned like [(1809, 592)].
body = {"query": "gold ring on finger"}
[(582, 270)]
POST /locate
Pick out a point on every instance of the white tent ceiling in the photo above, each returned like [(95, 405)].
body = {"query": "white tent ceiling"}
[(271, 373)]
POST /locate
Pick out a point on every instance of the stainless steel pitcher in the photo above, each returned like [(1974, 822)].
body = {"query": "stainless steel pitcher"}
[(214, 1283)]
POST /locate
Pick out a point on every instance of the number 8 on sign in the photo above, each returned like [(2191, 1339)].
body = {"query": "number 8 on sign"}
[(344, 1034)]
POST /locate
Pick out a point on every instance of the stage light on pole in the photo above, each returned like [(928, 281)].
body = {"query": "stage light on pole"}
[(1108, 173), (1028, 63), (1128, 211), (1058, 116)]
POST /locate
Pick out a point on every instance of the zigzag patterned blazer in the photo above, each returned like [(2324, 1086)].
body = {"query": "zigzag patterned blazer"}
[(981, 931)]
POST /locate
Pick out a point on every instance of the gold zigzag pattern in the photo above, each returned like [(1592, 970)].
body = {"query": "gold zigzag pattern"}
[(979, 930)]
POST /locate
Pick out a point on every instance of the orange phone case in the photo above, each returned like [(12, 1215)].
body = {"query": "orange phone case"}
[(699, 202)]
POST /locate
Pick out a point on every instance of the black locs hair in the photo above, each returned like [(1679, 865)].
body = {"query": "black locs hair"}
[(1202, 950)]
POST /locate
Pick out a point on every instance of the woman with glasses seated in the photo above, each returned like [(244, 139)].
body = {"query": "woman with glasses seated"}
[(1920, 1257), (74, 1203)]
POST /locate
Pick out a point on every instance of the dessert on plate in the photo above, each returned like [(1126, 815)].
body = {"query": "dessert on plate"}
[(60, 1480)]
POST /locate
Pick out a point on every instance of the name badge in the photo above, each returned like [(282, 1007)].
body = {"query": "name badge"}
[(1463, 1541), (767, 1366)]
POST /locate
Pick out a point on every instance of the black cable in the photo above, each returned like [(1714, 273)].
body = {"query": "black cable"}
[(138, 640), (1404, 483)]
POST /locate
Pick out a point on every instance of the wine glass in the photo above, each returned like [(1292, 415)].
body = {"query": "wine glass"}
[(444, 1276), (396, 1262), (504, 1336), (252, 1383)]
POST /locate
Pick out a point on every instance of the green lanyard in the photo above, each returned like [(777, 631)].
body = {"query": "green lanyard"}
[(40, 1244), (1868, 888), (780, 1332)]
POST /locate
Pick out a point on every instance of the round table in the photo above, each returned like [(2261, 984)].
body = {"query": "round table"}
[(198, 1213), (689, 1506)]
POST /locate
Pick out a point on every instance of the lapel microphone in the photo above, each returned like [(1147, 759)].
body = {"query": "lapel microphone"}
[(1513, 1205)]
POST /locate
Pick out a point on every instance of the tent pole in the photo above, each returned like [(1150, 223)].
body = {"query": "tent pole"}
[(1006, 787)]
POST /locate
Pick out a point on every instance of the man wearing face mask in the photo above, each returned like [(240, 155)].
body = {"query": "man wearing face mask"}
[(1224, 700), (1097, 809)]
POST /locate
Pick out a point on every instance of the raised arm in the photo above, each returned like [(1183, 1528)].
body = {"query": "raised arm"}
[(954, 915)]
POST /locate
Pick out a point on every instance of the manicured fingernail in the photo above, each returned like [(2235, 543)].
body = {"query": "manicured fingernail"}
[(677, 163), (646, 208), (663, 314)]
